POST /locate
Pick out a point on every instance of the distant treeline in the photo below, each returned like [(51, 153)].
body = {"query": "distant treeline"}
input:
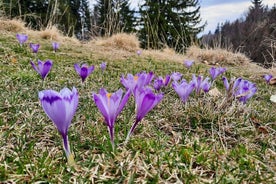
[(254, 34), (172, 23)]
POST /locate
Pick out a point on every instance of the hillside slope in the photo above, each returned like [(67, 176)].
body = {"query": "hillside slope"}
[(211, 138)]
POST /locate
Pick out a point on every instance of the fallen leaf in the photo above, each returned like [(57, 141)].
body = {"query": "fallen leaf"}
[(258, 126), (214, 92), (272, 81)]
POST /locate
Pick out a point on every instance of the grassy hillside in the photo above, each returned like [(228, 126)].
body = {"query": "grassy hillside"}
[(205, 140)]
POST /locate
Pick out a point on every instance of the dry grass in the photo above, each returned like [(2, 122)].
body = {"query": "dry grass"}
[(50, 34), (217, 56), (12, 26), (128, 42), (167, 54)]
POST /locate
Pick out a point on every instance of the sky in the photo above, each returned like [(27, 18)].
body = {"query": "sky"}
[(219, 11)]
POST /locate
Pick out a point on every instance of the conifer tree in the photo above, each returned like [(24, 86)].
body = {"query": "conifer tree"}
[(170, 23), (114, 16)]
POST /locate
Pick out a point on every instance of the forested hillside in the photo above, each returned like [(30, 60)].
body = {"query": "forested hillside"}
[(254, 34)]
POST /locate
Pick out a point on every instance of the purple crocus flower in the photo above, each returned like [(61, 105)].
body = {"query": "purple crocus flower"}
[(183, 89), (139, 52), (139, 80), (55, 46), (201, 84), (60, 107), (22, 38), (215, 72), (176, 76), (160, 82), (103, 66), (245, 90), (242, 89), (145, 100), (84, 71), (110, 105), (34, 47), (267, 77), (188, 63), (42, 68)]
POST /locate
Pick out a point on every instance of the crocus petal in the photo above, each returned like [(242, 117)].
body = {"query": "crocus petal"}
[(90, 70), (145, 100), (167, 80), (123, 102), (46, 68), (267, 77), (101, 103), (225, 83), (77, 68), (34, 67)]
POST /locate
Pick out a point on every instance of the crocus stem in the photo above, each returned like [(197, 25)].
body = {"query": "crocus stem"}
[(43, 83), (111, 134), (131, 130), (69, 155)]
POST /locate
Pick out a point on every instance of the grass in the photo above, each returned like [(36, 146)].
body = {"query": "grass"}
[(201, 141)]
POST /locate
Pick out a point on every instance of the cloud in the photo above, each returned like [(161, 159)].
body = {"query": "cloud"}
[(219, 13)]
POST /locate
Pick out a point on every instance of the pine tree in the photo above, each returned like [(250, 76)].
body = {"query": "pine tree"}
[(126, 20), (170, 23), (113, 16)]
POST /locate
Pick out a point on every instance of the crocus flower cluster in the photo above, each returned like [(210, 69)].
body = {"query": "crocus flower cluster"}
[(201, 83), (22, 38), (42, 68), (84, 71), (141, 79), (215, 72), (161, 82), (145, 99), (241, 89), (60, 107)]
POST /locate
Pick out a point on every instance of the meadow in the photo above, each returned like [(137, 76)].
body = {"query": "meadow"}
[(208, 139)]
